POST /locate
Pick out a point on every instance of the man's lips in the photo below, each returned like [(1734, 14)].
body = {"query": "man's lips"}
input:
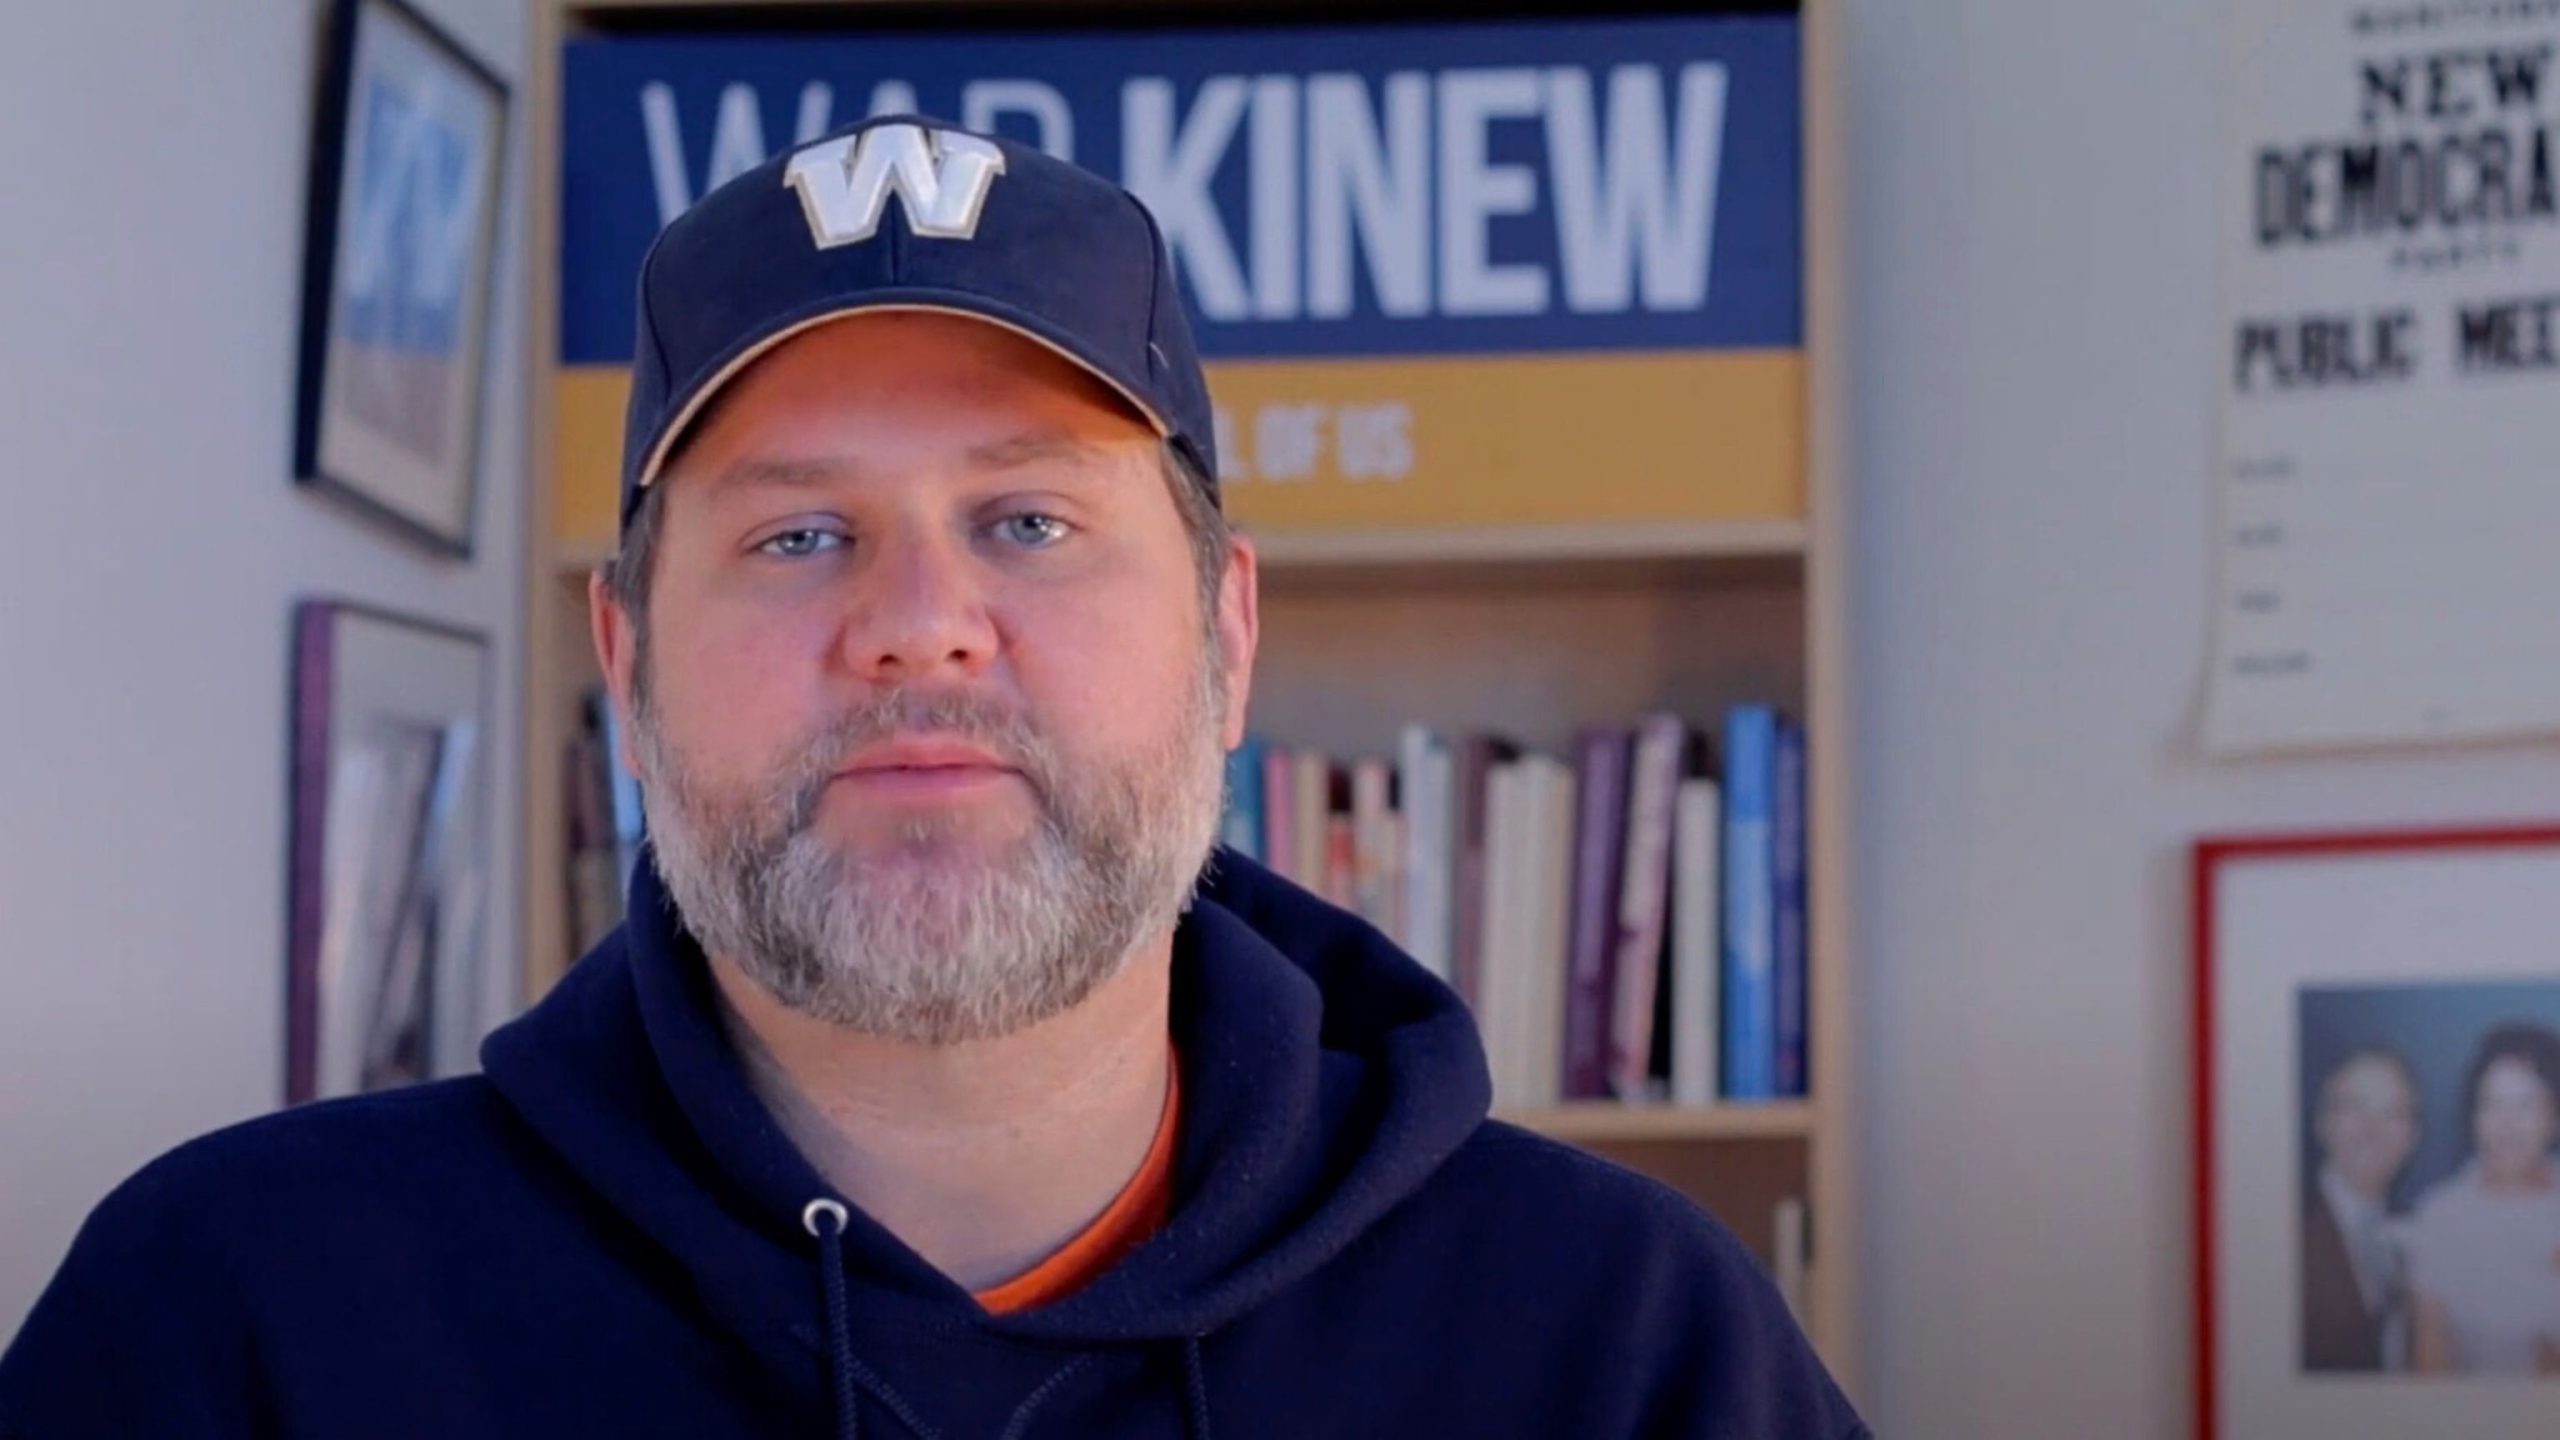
[(922, 755), (924, 769)]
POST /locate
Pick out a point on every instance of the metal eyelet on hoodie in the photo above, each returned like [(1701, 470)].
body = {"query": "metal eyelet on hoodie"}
[(824, 1206), (839, 1318)]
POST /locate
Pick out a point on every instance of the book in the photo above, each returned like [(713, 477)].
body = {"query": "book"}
[(1548, 876), (1597, 849), (1376, 854), (1341, 843), (1311, 795), (595, 899), (1527, 898), (1497, 991), (1791, 1262), (630, 824), (1643, 902), (1656, 1084), (1422, 782), (1750, 936), (1471, 766), (1697, 833), (1242, 829), (1280, 811), (1788, 916)]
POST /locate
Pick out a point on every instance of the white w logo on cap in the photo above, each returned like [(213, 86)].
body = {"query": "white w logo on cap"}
[(942, 176)]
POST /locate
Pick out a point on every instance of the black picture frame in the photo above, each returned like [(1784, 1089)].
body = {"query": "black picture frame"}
[(407, 184), (388, 868)]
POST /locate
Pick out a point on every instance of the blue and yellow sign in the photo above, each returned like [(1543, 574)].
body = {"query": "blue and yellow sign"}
[(1520, 273)]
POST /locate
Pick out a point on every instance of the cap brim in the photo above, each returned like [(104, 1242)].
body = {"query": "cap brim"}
[(886, 301)]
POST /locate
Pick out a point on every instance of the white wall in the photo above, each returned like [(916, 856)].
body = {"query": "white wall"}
[(2035, 358), (2032, 263), (151, 546)]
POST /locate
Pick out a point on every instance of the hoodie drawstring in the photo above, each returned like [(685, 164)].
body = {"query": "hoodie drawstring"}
[(848, 1372), (844, 1368), (1031, 1403), (839, 1318), (1196, 1381)]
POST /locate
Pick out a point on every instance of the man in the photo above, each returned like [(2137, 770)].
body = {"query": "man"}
[(2354, 1290), (943, 1082)]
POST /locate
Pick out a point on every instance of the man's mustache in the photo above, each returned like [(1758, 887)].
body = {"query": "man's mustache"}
[(1002, 730)]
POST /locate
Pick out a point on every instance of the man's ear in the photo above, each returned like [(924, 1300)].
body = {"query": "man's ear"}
[(617, 648), (1239, 631)]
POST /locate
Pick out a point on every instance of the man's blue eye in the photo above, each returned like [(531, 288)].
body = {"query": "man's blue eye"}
[(798, 544), (1033, 531)]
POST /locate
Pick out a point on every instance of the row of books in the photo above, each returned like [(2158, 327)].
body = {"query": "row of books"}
[(602, 805), (1627, 922)]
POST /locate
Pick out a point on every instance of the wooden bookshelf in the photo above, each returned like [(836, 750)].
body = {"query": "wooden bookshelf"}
[(1598, 1122), (1531, 631), (1553, 544)]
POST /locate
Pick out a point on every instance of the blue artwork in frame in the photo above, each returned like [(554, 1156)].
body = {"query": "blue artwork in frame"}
[(408, 161)]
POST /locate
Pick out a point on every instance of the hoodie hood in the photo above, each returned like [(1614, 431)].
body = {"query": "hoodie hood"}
[(1326, 1077)]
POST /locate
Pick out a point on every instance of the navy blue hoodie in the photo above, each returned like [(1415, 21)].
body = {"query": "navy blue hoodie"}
[(605, 1235)]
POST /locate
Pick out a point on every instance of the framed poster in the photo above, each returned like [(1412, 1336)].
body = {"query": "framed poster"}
[(2390, 292), (407, 164), (2377, 1114), (389, 850)]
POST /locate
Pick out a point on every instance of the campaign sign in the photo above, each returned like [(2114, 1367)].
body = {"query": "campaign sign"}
[(1445, 276)]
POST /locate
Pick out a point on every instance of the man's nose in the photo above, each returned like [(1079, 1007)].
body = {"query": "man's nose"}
[(920, 613)]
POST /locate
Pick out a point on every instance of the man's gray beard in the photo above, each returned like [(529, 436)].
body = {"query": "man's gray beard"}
[(927, 942)]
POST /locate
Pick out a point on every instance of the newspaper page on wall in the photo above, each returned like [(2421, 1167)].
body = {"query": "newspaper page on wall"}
[(2389, 541)]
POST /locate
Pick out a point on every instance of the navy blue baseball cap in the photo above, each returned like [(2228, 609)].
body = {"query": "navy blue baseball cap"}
[(908, 213)]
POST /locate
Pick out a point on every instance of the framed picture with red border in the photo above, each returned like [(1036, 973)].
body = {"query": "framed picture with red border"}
[(2377, 1122)]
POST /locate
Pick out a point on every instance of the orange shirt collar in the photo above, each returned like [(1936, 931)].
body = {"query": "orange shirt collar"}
[(1135, 1215)]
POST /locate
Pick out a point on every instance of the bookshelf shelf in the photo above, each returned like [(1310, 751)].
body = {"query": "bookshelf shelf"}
[(1542, 544), (574, 560), (1607, 1122)]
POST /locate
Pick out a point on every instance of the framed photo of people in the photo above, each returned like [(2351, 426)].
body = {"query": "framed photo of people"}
[(389, 850), (2377, 1115), (407, 171)]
